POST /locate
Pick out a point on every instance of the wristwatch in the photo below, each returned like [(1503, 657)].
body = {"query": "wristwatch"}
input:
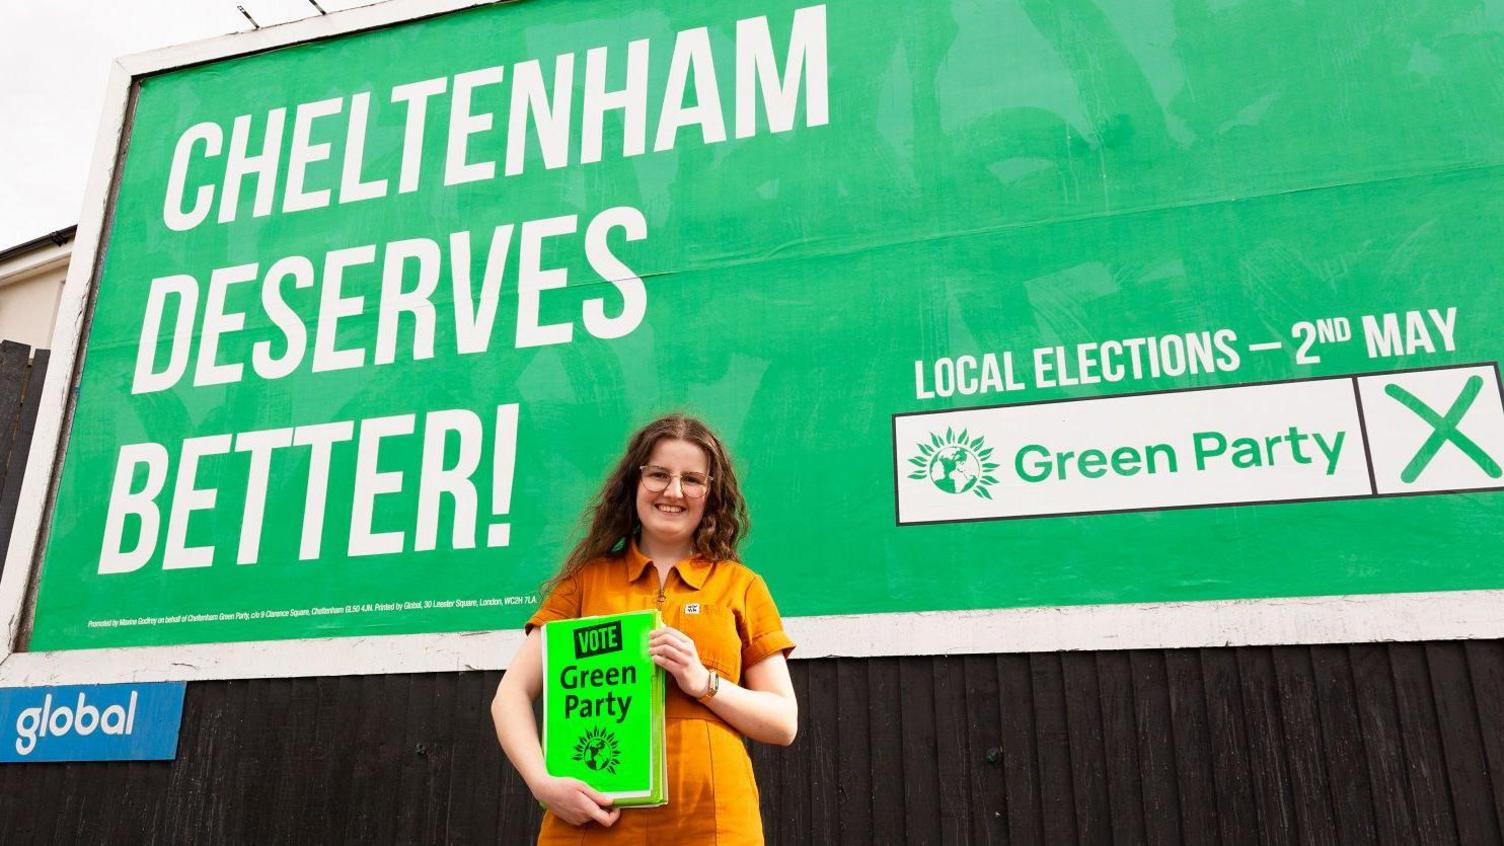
[(712, 686)]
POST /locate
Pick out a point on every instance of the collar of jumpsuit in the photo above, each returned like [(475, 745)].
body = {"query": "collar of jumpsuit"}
[(692, 571)]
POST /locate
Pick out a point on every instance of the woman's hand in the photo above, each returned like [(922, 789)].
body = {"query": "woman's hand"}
[(574, 801), (675, 652)]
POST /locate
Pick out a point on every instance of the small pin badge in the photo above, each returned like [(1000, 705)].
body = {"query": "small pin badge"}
[(692, 608)]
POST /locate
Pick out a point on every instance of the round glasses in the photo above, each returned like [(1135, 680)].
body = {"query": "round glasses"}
[(657, 479)]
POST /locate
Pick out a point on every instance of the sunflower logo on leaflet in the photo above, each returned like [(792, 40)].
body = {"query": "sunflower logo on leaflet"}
[(598, 750), (955, 464)]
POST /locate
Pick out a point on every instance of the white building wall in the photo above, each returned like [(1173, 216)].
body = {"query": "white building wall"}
[(30, 285)]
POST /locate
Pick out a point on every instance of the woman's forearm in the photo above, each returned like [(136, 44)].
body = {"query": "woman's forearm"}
[(763, 707), (764, 716), (512, 712), (518, 733)]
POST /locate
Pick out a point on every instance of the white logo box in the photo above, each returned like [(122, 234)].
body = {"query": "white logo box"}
[(1369, 420)]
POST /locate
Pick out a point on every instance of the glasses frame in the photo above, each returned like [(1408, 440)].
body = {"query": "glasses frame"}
[(642, 479)]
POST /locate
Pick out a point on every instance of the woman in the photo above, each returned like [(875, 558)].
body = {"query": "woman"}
[(663, 532)]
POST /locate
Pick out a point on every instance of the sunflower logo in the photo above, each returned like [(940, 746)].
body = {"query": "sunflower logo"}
[(598, 749), (955, 463)]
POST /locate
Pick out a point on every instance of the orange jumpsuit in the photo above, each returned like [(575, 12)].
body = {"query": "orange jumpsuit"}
[(727, 610)]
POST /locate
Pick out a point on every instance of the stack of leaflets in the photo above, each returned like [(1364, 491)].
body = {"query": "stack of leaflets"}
[(603, 702)]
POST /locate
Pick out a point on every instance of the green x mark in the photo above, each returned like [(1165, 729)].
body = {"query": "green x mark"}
[(1445, 430)]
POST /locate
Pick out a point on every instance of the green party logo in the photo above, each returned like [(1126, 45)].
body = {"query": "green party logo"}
[(955, 464), (598, 749)]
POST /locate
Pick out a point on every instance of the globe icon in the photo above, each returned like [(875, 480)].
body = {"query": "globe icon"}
[(955, 469), (595, 748)]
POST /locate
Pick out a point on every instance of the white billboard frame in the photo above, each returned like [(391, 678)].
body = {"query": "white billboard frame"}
[(1447, 615)]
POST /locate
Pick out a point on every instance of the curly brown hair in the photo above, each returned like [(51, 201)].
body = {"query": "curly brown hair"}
[(612, 514)]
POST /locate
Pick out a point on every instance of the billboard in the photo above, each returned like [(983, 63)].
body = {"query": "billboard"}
[(1004, 305)]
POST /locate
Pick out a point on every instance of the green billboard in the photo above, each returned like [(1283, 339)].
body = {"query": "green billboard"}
[(999, 304)]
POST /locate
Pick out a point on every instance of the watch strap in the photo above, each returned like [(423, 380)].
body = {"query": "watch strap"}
[(712, 686)]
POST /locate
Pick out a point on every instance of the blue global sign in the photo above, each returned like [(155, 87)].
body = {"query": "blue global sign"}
[(113, 722)]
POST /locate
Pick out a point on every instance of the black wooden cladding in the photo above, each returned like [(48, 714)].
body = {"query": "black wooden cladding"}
[(20, 389), (1358, 744)]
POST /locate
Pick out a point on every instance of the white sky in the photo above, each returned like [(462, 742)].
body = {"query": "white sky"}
[(54, 62)]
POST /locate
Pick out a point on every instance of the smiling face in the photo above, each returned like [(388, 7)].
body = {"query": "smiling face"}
[(669, 517)]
